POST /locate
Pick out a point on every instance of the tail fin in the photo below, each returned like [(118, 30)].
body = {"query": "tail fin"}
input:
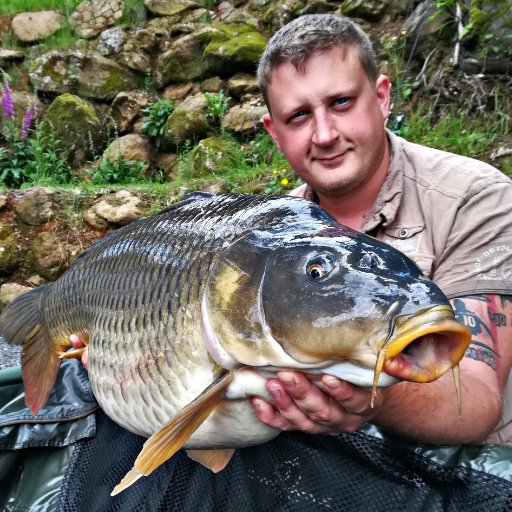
[(20, 323), (20, 316)]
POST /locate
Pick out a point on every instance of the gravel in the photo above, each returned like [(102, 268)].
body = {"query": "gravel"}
[(9, 355)]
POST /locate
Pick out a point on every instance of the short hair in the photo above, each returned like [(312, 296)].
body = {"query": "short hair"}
[(311, 33)]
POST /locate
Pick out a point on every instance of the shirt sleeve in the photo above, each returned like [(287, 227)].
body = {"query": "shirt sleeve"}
[(477, 257)]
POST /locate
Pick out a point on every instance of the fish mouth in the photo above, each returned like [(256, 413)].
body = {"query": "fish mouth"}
[(423, 347)]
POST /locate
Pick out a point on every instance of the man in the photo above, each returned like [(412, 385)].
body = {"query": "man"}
[(327, 108)]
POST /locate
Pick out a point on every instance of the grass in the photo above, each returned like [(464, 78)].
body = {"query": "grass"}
[(458, 132), (16, 6)]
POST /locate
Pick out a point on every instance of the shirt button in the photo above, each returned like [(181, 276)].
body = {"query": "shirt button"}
[(403, 233)]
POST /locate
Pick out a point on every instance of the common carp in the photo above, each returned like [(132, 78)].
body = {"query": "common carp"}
[(187, 313)]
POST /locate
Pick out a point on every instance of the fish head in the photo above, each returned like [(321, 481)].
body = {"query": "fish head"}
[(312, 300)]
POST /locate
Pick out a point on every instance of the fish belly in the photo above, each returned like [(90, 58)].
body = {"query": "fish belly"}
[(232, 425)]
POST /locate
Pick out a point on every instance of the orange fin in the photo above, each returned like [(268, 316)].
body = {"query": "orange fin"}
[(21, 315), (72, 354), (216, 460), (39, 365), (162, 445)]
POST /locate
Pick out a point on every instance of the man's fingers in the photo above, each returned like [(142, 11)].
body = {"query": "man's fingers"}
[(354, 399), (303, 405)]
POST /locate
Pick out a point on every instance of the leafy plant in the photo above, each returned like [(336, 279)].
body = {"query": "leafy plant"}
[(29, 156), (395, 46), (156, 114), (108, 172), (217, 104)]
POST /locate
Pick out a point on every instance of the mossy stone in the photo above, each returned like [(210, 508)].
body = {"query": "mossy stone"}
[(73, 125)]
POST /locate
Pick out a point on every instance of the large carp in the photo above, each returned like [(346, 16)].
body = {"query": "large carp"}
[(188, 312)]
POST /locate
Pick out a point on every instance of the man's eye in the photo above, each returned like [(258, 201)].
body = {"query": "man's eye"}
[(341, 101), (298, 115)]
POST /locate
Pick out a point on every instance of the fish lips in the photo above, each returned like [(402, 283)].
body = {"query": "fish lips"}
[(423, 347)]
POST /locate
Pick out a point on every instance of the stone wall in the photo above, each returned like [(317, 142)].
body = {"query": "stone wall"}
[(43, 230)]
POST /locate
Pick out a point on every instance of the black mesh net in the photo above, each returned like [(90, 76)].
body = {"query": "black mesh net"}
[(294, 472)]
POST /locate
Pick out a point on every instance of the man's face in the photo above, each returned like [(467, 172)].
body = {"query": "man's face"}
[(328, 120)]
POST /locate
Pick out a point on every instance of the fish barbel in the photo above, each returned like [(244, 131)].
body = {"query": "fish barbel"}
[(187, 314)]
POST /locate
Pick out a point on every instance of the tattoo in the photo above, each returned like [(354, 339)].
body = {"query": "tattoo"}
[(483, 354), (474, 322), (478, 350)]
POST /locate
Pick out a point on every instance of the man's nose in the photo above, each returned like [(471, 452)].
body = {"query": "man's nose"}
[(325, 132)]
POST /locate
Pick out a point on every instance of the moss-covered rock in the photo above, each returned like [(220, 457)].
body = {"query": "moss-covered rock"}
[(239, 50), (74, 126), (11, 253), (170, 7), (190, 121), (213, 156), (490, 25), (364, 9), (184, 61), (87, 74)]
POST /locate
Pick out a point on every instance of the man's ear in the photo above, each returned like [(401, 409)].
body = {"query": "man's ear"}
[(383, 90), (269, 126)]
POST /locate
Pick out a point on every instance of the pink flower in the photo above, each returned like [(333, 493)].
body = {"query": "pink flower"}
[(7, 103), (27, 121)]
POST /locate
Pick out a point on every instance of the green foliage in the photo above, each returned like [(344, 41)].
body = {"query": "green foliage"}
[(217, 104), (156, 114), (452, 131), (209, 4), (395, 46), (134, 13), (109, 172), (17, 6), (13, 163), (280, 181), (31, 158)]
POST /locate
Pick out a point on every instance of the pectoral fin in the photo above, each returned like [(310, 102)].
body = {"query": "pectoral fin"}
[(162, 445), (216, 460)]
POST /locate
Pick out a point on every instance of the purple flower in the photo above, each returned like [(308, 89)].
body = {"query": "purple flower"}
[(27, 121), (7, 103)]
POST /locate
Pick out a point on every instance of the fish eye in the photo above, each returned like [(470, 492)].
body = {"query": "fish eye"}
[(319, 267), (370, 260)]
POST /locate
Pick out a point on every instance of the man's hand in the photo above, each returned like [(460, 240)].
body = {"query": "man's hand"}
[(301, 405)]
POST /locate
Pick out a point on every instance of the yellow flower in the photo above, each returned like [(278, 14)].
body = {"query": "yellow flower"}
[(284, 182), (275, 171), (283, 171)]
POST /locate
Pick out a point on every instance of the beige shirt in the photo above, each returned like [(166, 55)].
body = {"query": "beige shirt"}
[(452, 215)]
